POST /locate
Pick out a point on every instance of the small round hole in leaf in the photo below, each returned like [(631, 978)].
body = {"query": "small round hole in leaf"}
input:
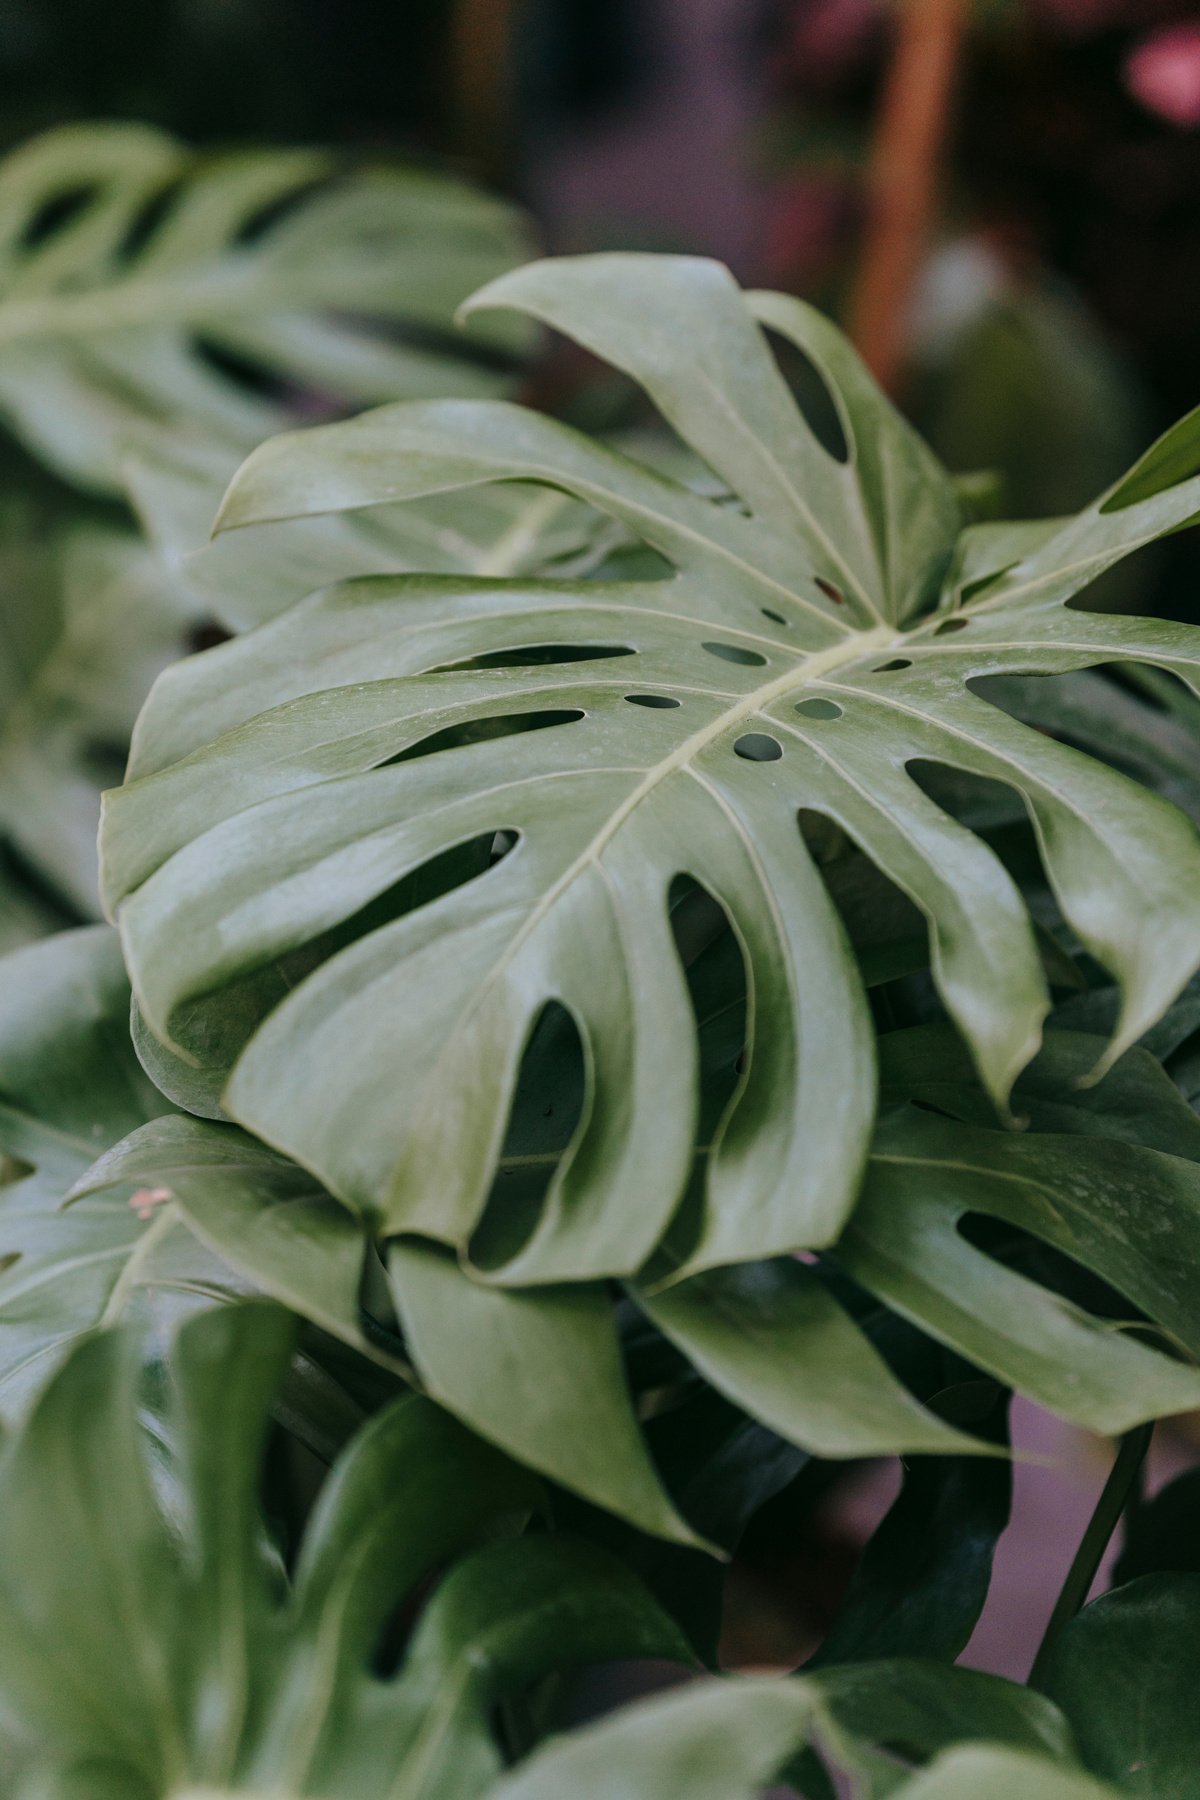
[(775, 618), (733, 653), (655, 700), (756, 746), (834, 593), (949, 625), (819, 709), (897, 662)]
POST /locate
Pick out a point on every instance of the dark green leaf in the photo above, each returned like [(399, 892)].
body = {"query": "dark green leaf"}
[(1124, 1672)]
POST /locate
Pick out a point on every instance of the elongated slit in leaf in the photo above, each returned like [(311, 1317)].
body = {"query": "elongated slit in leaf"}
[(547, 1105)]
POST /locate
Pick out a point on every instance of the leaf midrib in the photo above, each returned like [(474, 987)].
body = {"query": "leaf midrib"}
[(206, 294)]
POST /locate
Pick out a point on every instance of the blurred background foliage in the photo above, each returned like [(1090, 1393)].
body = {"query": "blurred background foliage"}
[(1056, 305)]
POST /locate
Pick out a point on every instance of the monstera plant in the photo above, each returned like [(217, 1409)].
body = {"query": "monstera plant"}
[(641, 970)]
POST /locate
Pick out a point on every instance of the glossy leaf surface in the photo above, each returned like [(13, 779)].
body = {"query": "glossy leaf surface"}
[(816, 642)]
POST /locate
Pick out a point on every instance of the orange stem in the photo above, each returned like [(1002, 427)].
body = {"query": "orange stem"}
[(903, 178)]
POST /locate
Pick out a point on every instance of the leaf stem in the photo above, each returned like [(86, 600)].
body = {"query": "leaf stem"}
[(903, 178), (1114, 1497)]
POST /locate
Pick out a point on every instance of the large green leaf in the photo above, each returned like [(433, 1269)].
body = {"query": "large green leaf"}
[(151, 1635), (134, 274), (816, 641), (1124, 1672), (69, 1086)]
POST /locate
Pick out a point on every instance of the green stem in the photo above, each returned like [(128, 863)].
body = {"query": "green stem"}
[(1111, 1504)]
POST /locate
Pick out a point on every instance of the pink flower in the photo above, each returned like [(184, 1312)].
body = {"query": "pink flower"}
[(1163, 72)]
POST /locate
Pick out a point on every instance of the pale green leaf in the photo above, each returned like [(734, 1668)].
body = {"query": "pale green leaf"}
[(787, 665), (109, 618), (107, 315)]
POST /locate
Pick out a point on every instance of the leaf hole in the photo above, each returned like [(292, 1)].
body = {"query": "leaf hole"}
[(715, 970), (205, 634), (775, 618), (812, 393), (1016, 1247), (660, 701), (817, 708), (830, 590), (897, 662), (756, 746), (56, 213), (949, 625), (547, 1105), (12, 1170), (536, 656), (482, 731), (734, 653)]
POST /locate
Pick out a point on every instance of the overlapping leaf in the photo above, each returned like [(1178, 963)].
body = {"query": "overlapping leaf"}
[(161, 1645), (137, 279), (1123, 1671), (539, 1373), (538, 1370), (725, 1741), (176, 487), (815, 646), (168, 1652)]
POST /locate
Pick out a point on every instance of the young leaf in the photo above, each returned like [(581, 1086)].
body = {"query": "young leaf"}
[(134, 274), (798, 659)]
